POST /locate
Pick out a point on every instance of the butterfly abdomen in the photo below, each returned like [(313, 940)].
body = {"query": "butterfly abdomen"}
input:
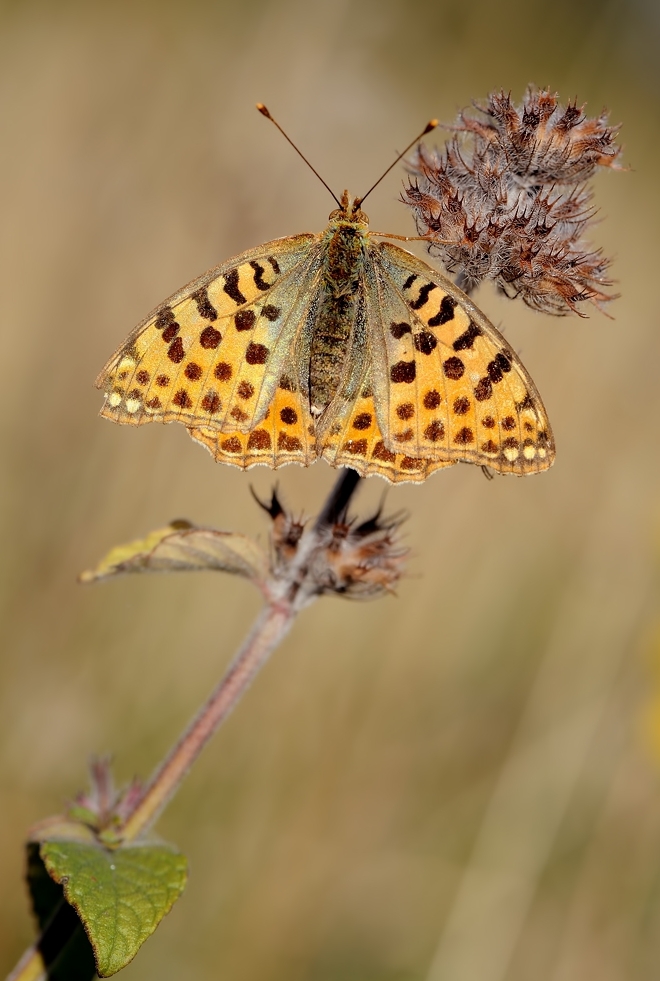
[(342, 265)]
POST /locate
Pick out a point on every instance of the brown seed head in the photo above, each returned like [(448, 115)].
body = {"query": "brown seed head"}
[(358, 561), (507, 200)]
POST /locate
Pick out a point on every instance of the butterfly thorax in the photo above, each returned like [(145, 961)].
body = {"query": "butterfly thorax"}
[(343, 256)]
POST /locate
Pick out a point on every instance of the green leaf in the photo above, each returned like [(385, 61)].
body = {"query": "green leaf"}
[(181, 547), (121, 895)]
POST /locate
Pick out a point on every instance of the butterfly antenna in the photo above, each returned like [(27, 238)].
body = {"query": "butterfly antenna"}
[(429, 126), (264, 112)]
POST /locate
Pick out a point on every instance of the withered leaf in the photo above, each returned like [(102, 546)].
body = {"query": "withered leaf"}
[(182, 547)]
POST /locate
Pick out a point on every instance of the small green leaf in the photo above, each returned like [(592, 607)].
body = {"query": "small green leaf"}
[(182, 547), (121, 895)]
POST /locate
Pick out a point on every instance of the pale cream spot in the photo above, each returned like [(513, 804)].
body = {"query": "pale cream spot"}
[(541, 452), (114, 399), (511, 453), (126, 362), (132, 405), (529, 452)]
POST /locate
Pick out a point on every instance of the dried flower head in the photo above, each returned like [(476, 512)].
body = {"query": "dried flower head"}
[(357, 561), (507, 199)]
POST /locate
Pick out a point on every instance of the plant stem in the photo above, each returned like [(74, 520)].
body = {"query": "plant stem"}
[(338, 498), (31, 967), (272, 624), (270, 628)]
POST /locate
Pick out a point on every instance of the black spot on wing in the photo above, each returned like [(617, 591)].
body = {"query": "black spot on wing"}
[(170, 331), (484, 390), (527, 403), (425, 342), (270, 312), (453, 368), (258, 277), (398, 330), (467, 339), (445, 313), (503, 361), (256, 353), (244, 319), (423, 296), (403, 372), (164, 318), (498, 367), (204, 306), (231, 287)]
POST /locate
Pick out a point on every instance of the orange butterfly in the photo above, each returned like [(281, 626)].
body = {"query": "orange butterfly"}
[(334, 345)]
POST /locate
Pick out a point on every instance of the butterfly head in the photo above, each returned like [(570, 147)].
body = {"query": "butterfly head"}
[(349, 212)]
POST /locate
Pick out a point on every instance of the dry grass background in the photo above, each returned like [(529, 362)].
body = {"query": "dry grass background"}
[(452, 785)]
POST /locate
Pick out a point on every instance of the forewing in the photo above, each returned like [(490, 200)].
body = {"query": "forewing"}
[(447, 385), (211, 356)]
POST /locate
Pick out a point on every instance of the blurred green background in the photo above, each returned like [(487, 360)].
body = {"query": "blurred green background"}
[(458, 784)]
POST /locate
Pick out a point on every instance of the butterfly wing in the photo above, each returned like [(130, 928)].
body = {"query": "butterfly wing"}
[(447, 386), (354, 439), (432, 383), (213, 355), (285, 435)]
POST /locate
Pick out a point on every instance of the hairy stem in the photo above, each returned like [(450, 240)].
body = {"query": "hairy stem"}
[(272, 624), (31, 967)]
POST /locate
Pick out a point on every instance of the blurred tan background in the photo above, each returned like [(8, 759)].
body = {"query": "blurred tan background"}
[(459, 784)]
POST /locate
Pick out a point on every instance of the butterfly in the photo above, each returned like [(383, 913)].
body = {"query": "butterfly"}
[(337, 346)]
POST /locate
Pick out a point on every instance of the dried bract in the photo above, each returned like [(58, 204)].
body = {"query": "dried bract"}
[(507, 199), (359, 562), (285, 535)]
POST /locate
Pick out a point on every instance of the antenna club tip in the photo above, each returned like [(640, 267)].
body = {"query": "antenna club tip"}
[(430, 125), (263, 110)]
